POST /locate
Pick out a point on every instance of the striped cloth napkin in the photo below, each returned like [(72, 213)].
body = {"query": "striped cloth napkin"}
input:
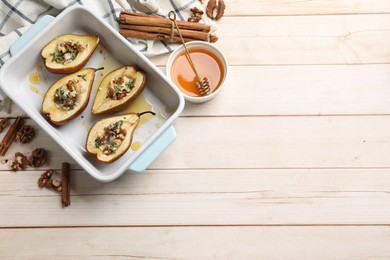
[(16, 16)]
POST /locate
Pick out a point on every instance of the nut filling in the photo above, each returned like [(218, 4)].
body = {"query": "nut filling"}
[(65, 97), (112, 137), (119, 87), (66, 52)]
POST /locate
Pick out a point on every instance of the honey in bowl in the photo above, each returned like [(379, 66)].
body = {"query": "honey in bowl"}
[(207, 64)]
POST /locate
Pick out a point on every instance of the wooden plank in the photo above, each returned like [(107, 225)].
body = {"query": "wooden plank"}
[(261, 142), (300, 90), (318, 7), (202, 197), (297, 40), (198, 243), (278, 142)]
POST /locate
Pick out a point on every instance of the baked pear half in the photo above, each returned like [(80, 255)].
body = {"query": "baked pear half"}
[(118, 89), (68, 96), (110, 137), (68, 53)]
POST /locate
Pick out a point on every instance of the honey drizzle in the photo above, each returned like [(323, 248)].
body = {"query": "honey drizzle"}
[(143, 104), (135, 146), (85, 125), (109, 63), (36, 90), (35, 78)]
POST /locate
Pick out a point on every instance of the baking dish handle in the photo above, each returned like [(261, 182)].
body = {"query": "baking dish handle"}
[(30, 33), (153, 150)]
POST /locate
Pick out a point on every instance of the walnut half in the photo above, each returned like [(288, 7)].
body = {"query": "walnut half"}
[(38, 157), (25, 134), (215, 10)]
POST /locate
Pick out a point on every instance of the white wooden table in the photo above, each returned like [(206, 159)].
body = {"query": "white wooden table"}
[(290, 161)]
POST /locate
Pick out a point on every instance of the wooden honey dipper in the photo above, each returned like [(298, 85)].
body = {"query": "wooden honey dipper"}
[(202, 85)]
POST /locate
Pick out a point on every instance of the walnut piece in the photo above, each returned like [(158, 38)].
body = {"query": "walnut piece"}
[(14, 165), (46, 181), (215, 10), (196, 11), (25, 134), (194, 19), (213, 38), (38, 157), (4, 161), (56, 185), (3, 124), (45, 178), (196, 15), (20, 162)]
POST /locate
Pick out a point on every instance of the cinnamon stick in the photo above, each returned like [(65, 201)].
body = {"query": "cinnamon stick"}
[(9, 137), (151, 20), (139, 14), (65, 182), (152, 36), (196, 35)]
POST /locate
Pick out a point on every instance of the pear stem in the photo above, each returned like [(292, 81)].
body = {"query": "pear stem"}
[(101, 68), (146, 112)]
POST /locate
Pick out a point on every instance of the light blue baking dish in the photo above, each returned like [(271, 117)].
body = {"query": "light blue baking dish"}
[(165, 98)]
